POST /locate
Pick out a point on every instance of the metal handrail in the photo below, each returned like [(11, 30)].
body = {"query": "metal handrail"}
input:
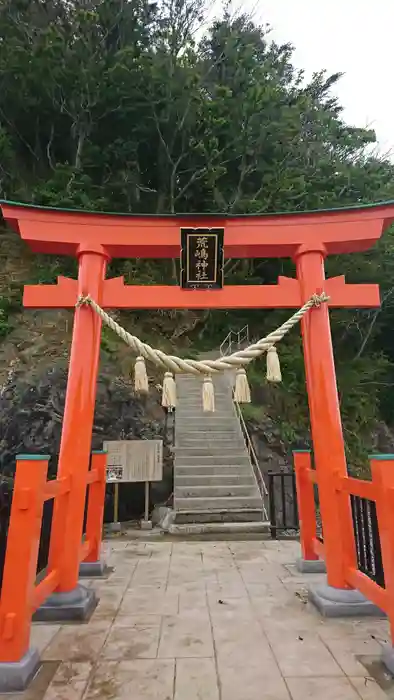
[(251, 451), (250, 446), (241, 336)]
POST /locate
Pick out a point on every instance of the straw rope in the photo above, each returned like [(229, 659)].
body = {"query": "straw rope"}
[(177, 365)]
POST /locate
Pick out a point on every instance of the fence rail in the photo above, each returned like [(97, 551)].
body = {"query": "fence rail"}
[(282, 499), (367, 540)]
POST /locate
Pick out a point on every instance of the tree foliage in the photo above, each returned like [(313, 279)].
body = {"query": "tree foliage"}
[(116, 105)]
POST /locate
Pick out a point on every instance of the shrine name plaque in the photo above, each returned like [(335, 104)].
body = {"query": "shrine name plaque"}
[(202, 258), (134, 460)]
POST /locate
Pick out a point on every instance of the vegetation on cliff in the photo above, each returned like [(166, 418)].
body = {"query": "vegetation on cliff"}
[(126, 105)]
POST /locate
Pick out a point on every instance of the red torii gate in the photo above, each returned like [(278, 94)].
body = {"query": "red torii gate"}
[(307, 237)]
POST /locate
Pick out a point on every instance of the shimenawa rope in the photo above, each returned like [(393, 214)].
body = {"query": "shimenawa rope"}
[(177, 365)]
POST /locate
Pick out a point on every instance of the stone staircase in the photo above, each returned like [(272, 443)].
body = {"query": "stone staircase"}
[(214, 482)]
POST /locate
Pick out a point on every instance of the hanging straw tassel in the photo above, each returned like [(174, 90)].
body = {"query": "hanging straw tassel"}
[(140, 376), (208, 395), (168, 398), (242, 390), (273, 366)]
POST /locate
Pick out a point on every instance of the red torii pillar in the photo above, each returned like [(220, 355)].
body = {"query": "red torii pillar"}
[(96, 238)]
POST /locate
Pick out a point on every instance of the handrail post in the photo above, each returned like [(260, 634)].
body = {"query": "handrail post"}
[(21, 557), (382, 469), (95, 515), (306, 504)]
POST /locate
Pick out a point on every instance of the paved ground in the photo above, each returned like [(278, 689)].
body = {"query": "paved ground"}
[(209, 621)]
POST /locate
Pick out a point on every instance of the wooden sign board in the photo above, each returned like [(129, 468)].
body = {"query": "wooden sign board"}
[(202, 258), (134, 460)]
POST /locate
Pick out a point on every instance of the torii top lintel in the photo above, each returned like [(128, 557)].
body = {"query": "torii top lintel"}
[(62, 231)]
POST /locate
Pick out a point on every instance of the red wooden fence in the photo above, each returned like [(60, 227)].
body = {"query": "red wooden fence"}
[(20, 594), (380, 490)]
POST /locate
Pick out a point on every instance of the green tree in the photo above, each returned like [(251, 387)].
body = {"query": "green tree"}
[(116, 105)]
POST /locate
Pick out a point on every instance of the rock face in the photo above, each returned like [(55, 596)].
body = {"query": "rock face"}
[(31, 413)]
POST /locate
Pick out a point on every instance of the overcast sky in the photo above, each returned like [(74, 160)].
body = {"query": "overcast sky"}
[(351, 36)]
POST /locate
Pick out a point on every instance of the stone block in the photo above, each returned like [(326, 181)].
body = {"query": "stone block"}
[(15, 676), (340, 602), (76, 605), (311, 566)]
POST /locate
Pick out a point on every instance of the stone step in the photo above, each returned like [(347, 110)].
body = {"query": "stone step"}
[(240, 515), (195, 400), (197, 405), (208, 448), (201, 423), (217, 492), (225, 528), (220, 439), (215, 451), (208, 470), (213, 478), (186, 393), (196, 396), (190, 389), (195, 424), (214, 447), (225, 409), (208, 443), (197, 433), (218, 504), (215, 418), (193, 380), (201, 426), (222, 479), (206, 456)]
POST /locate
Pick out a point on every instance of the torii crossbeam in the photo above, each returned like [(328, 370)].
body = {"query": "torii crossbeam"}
[(307, 237)]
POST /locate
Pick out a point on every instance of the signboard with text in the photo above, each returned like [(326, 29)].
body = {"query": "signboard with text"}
[(134, 460), (202, 258)]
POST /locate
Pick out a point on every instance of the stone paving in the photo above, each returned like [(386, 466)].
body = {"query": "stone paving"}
[(209, 621)]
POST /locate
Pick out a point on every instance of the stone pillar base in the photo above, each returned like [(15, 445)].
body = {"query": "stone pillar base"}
[(387, 658), (114, 527), (76, 605), (93, 569), (146, 524), (341, 602), (15, 676), (311, 566)]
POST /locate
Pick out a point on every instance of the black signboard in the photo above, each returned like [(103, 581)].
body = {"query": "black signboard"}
[(202, 258)]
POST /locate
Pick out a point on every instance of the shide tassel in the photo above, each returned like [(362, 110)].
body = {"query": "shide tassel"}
[(141, 385), (241, 390), (168, 399), (208, 395), (273, 366)]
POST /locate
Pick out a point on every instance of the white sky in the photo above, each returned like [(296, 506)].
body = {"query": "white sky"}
[(354, 37)]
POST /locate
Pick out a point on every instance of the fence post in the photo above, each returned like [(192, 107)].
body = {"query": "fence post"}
[(271, 504), (306, 504), (20, 569), (94, 523), (382, 469)]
